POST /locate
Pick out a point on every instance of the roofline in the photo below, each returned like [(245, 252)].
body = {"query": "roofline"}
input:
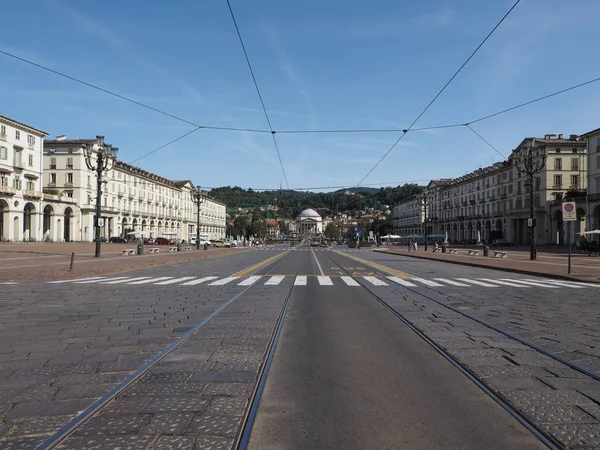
[(590, 132), (21, 124)]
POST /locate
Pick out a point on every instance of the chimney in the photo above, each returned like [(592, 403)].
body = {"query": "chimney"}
[(573, 137), (546, 136), (62, 137), (552, 136), (560, 136)]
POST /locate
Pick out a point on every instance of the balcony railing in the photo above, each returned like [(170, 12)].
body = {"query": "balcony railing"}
[(18, 164), (69, 184), (52, 184), (33, 194), (3, 137), (52, 166), (7, 190)]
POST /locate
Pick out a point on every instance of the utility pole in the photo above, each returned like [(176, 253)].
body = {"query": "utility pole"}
[(105, 158), (526, 163), (198, 200)]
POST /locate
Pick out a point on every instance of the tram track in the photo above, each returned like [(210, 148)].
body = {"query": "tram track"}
[(99, 405), (539, 433)]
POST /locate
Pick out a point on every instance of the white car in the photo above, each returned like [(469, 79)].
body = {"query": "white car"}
[(202, 242)]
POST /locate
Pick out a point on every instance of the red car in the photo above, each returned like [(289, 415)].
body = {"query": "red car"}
[(163, 241)]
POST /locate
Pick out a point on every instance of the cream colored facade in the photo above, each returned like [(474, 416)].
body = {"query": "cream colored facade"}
[(20, 181), (135, 203), (409, 217), (593, 194)]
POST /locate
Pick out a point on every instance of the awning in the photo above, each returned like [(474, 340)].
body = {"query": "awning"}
[(31, 176), (2, 170)]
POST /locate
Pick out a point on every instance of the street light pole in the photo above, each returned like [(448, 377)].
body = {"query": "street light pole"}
[(105, 157), (198, 200), (424, 203), (527, 164)]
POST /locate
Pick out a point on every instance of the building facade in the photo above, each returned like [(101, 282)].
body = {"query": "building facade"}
[(21, 166), (592, 204), (409, 216), (309, 222), (134, 202)]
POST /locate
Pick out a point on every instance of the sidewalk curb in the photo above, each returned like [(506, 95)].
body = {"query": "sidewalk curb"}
[(504, 269)]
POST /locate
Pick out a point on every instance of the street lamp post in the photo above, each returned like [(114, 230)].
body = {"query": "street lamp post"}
[(198, 200), (104, 161), (424, 202), (526, 163)]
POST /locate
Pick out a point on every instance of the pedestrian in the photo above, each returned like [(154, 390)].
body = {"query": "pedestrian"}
[(415, 246), (410, 246)]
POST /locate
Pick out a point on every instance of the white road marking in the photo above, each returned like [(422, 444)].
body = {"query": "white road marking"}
[(223, 281), (532, 283), (77, 279), (173, 281), (100, 279), (317, 261), (350, 281), (478, 283), (275, 280), (198, 281), (300, 280), (401, 282), (325, 281), (426, 282), (505, 283), (151, 280), (250, 280), (376, 281), (572, 284), (126, 280), (451, 282)]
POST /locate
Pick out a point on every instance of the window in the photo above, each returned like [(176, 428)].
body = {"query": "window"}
[(557, 163), (52, 178), (598, 162), (3, 132), (4, 180), (574, 163), (537, 183), (557, 180), (574, 150), (69, 178), (30, 160), (31, 185), (17, 135), (17, 183), (69, 194), (575, 181), (536, 200), (70, 163), (4, 153), (558, 150), (53, 163), (30, 140)]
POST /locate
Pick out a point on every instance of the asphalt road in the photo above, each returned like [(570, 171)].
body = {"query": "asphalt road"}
[(346, 374)]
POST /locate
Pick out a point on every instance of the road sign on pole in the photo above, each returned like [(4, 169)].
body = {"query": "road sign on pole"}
[(569, 212)]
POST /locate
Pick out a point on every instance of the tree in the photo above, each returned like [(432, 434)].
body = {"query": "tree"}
[(332, 231)]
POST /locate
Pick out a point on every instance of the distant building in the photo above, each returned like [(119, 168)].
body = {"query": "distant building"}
[(309, 222), (593, 184)]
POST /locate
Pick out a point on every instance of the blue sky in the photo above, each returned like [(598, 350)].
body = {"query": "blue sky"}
[(320, 65)]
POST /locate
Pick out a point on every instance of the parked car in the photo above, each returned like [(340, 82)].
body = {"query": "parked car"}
[(164, 241), (202, 241), (231, 242), (220, 243), (102, 239), (117, 240), (501, 243)]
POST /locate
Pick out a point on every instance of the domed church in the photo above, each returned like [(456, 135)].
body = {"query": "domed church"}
[(309, 222)]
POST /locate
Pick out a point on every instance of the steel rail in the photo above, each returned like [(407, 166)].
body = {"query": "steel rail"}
[(67, 430), (544, 437)]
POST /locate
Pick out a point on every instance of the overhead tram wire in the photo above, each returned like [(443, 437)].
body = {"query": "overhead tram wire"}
[(485, 140), (165, 145), (439, 93), (122, 97), (237, 29)]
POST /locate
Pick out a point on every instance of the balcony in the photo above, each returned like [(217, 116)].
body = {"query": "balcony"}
[(3, 137), (120, 193), (557, 186), (33, 194), (52, 184), (52, 166), (131, 196), (18, 164), (30, 146), (67, 184), (70, 166), (7, 190)]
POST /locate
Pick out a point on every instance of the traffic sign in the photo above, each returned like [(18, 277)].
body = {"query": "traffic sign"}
[(100, 223), (358, 234), (569, 212)]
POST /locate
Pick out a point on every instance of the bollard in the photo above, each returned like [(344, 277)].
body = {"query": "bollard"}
[(72, 260)]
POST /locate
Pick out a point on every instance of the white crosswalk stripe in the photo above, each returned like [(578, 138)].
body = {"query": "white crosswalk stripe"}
[(451, 282), (275, 280), (71, 281), (250, 280), (99, 280), (531, 283), (151, 280), (126, 280), (477, 283), (223, 281), (402, 282), (376, 281), (505, 283), (173, 281), (571, 284), (350, 281), (325, 281), (300, 280), (426, 282), (198, 281)]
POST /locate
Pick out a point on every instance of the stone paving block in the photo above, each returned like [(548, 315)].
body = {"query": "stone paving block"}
[(166, 377), (229, 389), (118, 367), (226, 426), (225, 377), (164, 389), (21, 443), (546, 397), (213, 443), (27, 395), (186, 357), (113, 425), (84, 391), (495, 361), (90, 378), (126, 442), (121, 406), (515, 382), (558, 414), (477, 352), (229, 406), (564, 372), (509, 371), (6, 428), (575, 435), (40, 425), (593, 410), (163, 367), (176, 404), (168, 423), (41, 409), (174, 443), (572, 383)]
